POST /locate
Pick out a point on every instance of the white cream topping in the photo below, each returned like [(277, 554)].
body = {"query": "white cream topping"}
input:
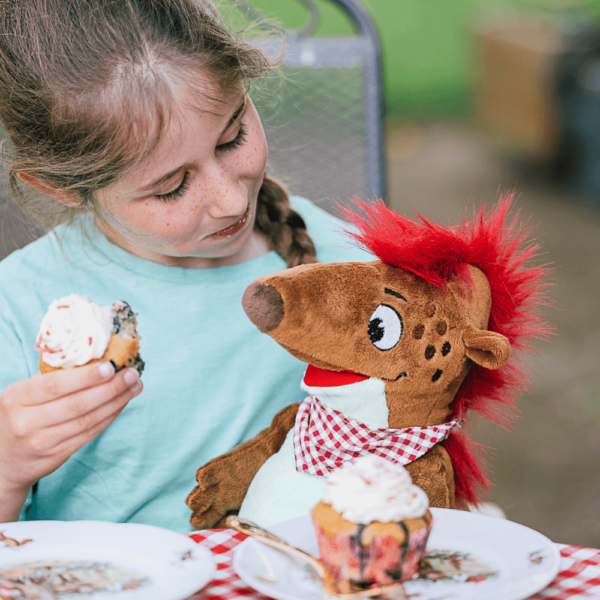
[(375, 489), (74, 331)]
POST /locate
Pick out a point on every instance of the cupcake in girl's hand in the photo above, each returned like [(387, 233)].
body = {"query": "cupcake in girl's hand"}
[(373, 523), (76, 331)]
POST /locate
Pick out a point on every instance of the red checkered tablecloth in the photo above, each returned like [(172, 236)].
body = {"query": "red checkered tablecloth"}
[(579, 575)]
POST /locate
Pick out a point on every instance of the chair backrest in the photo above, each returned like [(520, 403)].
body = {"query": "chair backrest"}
[(323, 116)]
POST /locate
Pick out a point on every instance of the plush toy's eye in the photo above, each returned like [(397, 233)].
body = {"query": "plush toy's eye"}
[(385, 327)]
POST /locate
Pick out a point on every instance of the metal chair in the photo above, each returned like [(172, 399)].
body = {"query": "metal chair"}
[(325, 127)]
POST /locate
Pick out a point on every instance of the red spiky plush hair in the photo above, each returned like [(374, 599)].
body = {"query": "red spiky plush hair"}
[(499, 244)]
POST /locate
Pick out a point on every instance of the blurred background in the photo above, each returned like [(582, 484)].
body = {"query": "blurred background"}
[(481, 97)]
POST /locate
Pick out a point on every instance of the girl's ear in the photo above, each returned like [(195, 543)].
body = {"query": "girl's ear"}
[(50, 189)]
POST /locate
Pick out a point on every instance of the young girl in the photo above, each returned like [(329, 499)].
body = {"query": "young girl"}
[(129, 130)]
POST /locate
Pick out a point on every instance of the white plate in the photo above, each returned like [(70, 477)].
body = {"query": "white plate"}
[(507, 561), (99, 561)]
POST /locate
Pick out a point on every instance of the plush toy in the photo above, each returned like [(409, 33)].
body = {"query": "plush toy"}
[(399, 351)]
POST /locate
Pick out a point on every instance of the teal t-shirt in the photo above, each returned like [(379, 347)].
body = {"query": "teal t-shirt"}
[(212, 380)]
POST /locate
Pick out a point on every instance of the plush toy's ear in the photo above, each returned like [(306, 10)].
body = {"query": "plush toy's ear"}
[(488, 349)]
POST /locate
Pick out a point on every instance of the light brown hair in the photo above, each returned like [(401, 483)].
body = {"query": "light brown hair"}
[(85, 95)]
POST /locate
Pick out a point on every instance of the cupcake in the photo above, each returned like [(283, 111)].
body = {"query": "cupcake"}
[(373, 523), (76, 331)]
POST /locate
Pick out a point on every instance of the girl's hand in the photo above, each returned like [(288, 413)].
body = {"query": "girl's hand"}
[(45, 419)]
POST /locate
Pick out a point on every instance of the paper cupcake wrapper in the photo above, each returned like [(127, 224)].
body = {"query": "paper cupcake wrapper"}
[(382, 562)]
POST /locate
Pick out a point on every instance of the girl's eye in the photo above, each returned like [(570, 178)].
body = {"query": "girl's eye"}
[(177, 192), (236, 142)]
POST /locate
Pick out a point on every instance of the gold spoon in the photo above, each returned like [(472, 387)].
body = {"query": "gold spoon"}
[(332, 587)]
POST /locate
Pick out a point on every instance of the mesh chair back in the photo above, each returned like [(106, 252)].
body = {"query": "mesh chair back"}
[(323, 116)]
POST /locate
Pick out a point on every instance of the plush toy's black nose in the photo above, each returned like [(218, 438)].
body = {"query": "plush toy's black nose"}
[(263, 305)]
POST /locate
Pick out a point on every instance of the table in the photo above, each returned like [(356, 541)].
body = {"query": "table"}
[(579, 575)]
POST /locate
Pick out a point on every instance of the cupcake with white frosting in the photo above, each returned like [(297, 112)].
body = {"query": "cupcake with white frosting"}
[(76, 331), (373, 523)]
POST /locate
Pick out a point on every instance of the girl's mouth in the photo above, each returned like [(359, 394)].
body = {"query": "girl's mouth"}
[(232, 229)]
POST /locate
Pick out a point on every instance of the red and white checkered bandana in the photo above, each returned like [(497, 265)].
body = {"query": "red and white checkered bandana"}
[(325, 439)]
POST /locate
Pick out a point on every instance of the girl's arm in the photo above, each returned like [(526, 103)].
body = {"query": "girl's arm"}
[(45, 419)]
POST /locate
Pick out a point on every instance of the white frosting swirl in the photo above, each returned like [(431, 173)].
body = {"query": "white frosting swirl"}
[(74, 331), (375, 489)]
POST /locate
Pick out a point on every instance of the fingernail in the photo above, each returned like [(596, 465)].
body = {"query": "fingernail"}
[(136, 387), (131, 376), (106, 369)]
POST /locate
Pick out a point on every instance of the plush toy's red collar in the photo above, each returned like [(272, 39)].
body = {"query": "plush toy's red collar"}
[(315, 377)]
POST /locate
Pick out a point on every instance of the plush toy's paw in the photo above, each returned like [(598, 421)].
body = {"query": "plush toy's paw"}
[(224, 481), (434, 474), (208, 511), (218, 493), (211, 519)]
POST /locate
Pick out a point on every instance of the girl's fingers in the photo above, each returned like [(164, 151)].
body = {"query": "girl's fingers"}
[(77, 432), (50, 386), (81, 404)]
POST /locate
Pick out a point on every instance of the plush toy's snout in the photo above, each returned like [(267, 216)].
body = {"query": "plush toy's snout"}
[(263, 305)]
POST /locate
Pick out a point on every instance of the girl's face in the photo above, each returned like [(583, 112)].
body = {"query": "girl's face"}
[(192, 203)]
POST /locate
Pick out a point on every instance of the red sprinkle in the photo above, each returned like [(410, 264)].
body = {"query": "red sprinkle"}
[(63, 306), (44, 348), (90, 341)]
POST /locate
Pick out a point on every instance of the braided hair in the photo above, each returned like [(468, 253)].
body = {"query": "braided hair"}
[(282, 225)]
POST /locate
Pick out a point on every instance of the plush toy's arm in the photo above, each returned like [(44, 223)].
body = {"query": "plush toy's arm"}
[(433, 473), (224, 481)]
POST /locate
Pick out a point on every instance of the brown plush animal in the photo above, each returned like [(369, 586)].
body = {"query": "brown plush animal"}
[(400, 349)]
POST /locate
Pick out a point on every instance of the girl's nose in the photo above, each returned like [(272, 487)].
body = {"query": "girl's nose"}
[(227, 197)]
